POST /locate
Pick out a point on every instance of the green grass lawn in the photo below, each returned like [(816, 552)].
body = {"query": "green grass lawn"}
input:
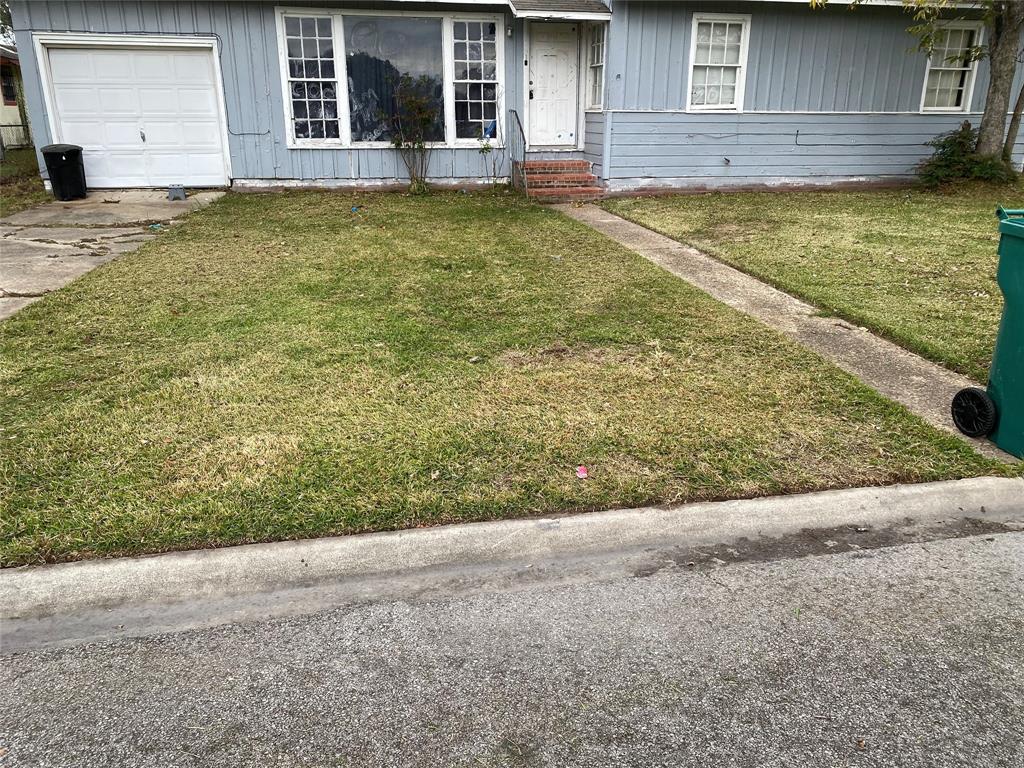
[(20, 185), (279, 366), (917, 267)]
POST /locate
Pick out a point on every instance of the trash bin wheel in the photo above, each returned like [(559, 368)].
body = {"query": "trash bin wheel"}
[(974, 412)]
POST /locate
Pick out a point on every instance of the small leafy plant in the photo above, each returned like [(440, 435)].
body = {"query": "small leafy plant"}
[(413, 125), (955, 159)]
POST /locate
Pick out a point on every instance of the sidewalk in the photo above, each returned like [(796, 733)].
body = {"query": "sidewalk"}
[(924, 388)]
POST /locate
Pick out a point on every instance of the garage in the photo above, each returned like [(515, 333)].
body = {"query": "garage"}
[(146, 116)]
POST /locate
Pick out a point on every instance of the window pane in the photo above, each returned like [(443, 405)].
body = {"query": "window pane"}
[(310, 48), (394, 62), (717, 54), (949, 69), (476, 76)]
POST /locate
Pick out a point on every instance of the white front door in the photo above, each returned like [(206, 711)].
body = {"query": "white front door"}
[(554, 85), (145, 117)]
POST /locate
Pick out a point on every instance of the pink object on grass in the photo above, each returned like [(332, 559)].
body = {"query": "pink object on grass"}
[(581, 472)]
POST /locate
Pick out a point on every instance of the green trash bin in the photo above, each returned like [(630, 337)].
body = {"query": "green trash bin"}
[(999, 410)]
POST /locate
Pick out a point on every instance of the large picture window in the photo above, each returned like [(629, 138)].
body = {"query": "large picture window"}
[(949, 80), (379, 52), (718, 60), (348, 74)]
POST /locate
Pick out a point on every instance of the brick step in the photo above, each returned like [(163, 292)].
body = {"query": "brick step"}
[(560, 180), (557, 166), (564, 194)]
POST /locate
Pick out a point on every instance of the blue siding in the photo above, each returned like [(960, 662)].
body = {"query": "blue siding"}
[(680, 149), (252, 82), (811, 77), (799, 60), (831, 95)]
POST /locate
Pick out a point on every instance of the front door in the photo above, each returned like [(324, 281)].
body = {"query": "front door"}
[(554, 85)]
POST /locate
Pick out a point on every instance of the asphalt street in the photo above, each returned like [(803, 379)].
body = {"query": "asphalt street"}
[(907, 655)]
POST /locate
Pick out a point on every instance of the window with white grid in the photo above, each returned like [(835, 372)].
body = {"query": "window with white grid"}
[(475, 51), (312, 76), (951, 68), (718, 54), (595, 66)]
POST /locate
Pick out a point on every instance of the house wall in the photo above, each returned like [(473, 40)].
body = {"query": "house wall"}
[(248, 53), (831, 95)]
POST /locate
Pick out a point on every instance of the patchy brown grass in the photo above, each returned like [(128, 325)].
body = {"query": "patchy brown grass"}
[(279, 366)]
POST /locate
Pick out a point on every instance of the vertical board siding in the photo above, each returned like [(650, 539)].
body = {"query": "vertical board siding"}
[(593, 140), (799, 60), (248, 55)]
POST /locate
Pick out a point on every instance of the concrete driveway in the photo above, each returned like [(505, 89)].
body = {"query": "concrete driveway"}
[(44, 248)]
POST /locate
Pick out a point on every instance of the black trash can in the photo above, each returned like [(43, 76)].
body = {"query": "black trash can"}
[(65, 169)]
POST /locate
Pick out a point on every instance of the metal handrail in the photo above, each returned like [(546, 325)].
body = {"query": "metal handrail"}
[(517, 150)]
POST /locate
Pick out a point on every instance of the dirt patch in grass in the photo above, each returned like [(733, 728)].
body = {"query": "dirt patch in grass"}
[(302, 364), (917, 267)]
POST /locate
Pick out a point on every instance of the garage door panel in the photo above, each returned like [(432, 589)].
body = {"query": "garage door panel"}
[(115, 169), (117, 101), (196, 101), (159, 101), (85, 133), (192, 69), (77, 100), (202, 134), (106, 98), (72, 67), (169, 133)]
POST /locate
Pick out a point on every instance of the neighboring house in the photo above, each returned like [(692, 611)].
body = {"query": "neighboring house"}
[(651, 94), (13, 131)]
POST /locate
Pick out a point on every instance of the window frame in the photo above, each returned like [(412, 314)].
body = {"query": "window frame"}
[(593, 27), (972, 73), (8, 70), (741, 79), (341, 74)]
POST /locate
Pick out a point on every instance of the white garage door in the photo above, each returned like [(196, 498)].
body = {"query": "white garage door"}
[(144, 117)]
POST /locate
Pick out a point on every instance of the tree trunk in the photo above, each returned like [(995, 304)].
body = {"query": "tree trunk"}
[(1014, 129), (1003, 32)]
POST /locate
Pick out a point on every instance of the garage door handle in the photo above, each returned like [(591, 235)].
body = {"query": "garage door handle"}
[(142, 135)]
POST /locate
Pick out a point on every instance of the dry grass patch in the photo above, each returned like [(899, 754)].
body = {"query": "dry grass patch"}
[(279, 366)]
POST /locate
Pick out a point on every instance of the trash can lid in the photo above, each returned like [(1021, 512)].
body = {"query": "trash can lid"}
[(60, 149)]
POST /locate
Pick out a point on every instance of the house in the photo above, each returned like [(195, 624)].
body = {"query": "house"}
[(640, 93), (13, 131)]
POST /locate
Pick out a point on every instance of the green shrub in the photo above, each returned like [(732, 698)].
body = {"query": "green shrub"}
[(954, 159)]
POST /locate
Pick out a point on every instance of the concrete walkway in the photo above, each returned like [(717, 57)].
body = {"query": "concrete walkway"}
[(923, 387), (44, 248)]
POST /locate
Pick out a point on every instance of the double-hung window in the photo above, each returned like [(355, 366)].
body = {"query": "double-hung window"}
[(718, 61), (312, 77), (595, 66), (351, 77), (952, 65), (475, 47)]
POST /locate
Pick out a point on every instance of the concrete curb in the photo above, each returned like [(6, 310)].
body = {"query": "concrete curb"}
[(35, 592)]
